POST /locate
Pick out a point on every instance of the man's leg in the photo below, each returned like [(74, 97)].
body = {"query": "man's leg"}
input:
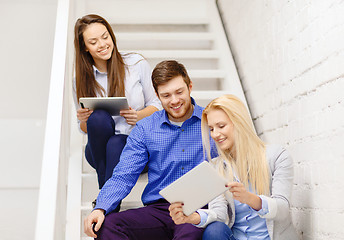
[(187, 232), (150, 222)]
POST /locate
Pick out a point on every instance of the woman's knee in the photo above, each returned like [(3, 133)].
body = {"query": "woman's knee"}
[(117, 141), (100, 119), (216, 231)]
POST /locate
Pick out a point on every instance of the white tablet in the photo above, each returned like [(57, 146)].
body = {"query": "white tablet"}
[(111, 104), (196, 188)]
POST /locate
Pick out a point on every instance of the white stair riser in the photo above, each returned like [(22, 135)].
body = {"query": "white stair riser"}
[(190, 64), (151, 44)]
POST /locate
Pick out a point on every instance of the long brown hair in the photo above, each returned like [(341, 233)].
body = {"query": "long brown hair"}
[(86, 85)]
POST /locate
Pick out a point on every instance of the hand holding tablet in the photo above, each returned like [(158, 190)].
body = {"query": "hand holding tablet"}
[(196, 188)]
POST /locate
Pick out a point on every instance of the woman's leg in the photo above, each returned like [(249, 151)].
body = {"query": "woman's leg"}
[(114, 149), (218, 231), (100, 127)]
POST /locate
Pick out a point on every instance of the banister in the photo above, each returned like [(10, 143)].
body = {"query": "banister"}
[(48, 194)]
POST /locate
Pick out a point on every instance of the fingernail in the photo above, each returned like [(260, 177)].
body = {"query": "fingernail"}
[(182, 204), (226, 185)]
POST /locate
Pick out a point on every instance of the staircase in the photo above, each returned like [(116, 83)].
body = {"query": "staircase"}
[(190, 32)]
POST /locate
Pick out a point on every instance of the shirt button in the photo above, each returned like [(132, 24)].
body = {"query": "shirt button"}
[(182, 150), (182, 168), (182, 130)]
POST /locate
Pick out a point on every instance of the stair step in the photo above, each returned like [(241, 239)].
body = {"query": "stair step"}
[(90, 191), (209, 73), (86, 206), (189, 63), (208, 94), (203, 98), (180, 54), (156, 21), (175, 36), (164, 40), (159, 28), (89, 174)]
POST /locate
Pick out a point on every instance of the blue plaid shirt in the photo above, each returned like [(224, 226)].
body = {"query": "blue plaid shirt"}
[(169, 150)]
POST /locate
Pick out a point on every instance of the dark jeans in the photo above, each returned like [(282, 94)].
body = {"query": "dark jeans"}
[(218, 231), (151, 222), (104, 147)]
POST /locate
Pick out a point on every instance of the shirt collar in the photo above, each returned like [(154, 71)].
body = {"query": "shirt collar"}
[(197, 112), (96, 71)]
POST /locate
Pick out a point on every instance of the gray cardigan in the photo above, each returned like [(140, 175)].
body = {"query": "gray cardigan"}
[(278, 219)]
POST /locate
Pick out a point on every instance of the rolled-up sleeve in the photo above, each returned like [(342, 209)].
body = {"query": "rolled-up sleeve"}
[(218, 211)]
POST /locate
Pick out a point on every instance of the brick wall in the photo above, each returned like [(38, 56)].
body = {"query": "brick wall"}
[(290, 58)]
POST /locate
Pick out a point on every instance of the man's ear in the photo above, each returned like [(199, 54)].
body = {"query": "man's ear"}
[(190, 86)]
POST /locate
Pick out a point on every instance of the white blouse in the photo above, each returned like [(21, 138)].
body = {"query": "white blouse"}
[(138, 88)]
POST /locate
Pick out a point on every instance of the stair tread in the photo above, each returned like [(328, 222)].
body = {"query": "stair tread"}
[(179, 54), (154, 20)]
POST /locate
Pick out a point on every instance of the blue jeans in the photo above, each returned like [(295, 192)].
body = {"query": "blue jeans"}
[(104, 147), (218, 231)]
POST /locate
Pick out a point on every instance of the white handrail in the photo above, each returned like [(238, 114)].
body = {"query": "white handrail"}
[(47, 202)]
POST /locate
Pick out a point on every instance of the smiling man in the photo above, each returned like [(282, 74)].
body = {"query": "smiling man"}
[(170, 142)]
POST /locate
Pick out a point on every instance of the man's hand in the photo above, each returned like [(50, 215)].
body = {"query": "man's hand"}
[(97, 217), (178, 217)]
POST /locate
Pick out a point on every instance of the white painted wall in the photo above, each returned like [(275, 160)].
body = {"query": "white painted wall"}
[(290, 58), (26, 43)]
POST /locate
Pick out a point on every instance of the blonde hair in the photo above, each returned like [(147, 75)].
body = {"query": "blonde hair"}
[(250, 163)]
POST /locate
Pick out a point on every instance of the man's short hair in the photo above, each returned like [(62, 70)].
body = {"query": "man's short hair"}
[(166, 70)]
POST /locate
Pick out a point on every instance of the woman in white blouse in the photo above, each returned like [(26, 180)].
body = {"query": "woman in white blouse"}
[(260, 179), (101, 71)]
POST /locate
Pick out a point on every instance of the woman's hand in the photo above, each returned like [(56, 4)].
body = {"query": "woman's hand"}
[(242, 195), (130, 115), (178, 217), (83, 114)]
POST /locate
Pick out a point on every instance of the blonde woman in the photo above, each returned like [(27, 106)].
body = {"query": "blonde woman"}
[(260, 179)]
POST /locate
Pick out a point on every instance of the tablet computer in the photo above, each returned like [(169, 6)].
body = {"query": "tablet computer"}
[(196, 188), (111, 104)]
